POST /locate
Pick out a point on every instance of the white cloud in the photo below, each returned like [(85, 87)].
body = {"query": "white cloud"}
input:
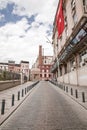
[(17, 29), (18, 44)]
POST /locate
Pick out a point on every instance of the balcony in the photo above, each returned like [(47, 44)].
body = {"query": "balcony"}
[(54, 67), (76, 41)]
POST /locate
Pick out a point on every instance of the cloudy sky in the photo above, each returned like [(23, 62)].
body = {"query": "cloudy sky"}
[(24, 25)]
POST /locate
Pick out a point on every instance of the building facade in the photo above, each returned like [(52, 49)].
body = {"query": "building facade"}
[(11, 66), (42, 66), (25, 69), (70, 51), (9, 71), (4, 66), (16, 70)]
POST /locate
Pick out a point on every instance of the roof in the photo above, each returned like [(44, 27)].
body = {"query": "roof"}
[(25, 61), (4, 63)]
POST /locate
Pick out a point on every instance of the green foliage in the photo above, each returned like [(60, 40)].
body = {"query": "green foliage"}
[(6, 75)]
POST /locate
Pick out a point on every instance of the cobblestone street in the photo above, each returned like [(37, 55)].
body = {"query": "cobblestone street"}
[(47, 108)]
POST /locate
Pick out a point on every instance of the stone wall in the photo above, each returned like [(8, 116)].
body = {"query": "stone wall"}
[(8, 84)]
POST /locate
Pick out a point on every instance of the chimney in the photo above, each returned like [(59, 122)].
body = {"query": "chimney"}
[(40, 55)]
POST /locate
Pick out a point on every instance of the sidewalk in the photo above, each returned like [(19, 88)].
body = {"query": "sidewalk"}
[(13, 97), (79, 94)]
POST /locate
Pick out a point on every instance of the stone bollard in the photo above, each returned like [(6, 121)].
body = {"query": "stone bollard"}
[(18, 95), (3, 107), (13, 99), (83, 97), (76, 93)]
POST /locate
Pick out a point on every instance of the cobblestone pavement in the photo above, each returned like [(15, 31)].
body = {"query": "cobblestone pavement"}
[(47, 108)]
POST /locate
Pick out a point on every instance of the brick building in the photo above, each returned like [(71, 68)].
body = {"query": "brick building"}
[(42, 66)]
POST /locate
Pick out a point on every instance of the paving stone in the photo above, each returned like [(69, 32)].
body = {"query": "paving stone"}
[(47, 108)]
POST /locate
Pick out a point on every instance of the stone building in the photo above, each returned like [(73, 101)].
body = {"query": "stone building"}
[(70, 51)]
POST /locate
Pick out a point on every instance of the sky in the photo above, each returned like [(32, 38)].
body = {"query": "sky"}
[(24, 25)]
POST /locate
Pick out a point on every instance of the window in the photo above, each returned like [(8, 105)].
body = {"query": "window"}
[(84, 2), (66, 23), (65, 67), (73, 4), (75, 18), (45, 75), (49, 75), (45, 70), (85, 5), (83, 56), (60, 71), (74, 15), (45, 61), (71, 62), (40, 75)]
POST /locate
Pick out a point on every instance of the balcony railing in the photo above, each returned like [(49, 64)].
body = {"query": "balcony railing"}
[(54, 67)]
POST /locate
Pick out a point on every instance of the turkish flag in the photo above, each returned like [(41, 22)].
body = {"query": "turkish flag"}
[(60, 19)]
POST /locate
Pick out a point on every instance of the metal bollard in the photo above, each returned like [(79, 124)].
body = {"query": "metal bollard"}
[(76, 93), (18, 95), (13, 99), (71, 91), (22, 93), (83, 97), (25, 91), (3, 107), (64, 88), (67, 89)]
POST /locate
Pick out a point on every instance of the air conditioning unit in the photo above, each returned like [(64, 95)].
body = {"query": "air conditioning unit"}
[(85, 8)]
